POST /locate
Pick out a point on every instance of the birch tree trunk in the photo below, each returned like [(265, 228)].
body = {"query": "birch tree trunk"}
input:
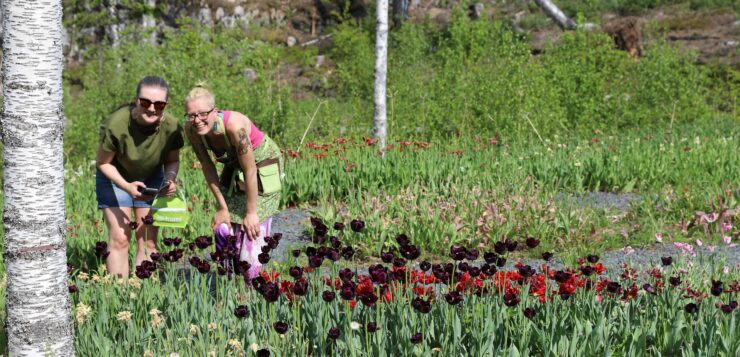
[(553, 12), (32, 126), (112, 28), (381, 65), (149, 23)]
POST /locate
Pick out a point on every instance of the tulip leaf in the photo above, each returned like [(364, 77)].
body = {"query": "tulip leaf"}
[(513, 351)]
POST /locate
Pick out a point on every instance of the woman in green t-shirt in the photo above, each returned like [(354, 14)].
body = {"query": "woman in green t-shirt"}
[(139, 148)]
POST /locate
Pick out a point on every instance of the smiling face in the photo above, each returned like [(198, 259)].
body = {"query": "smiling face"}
[(155, 99), (201, 114)]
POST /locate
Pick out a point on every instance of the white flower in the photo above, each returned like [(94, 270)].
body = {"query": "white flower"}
[(254, 347), (83, 311), (124, 316), (354, 325), (193, 329), (659, 237)]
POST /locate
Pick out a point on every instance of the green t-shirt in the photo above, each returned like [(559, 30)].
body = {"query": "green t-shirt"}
[(139, 154)]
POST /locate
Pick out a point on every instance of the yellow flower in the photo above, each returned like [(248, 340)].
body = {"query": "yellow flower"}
[(254, 347), (193, 329), (83, 311), (148, 353), (134, 282), (157, 318), (211, 353), (124, 316), (212, 326), (235, 345), (132, 295), (96, 278), (83, 276)]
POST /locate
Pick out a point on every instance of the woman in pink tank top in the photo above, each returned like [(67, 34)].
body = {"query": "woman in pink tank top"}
[(248, 190)]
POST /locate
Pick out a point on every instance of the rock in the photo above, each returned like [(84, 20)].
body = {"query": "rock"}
[(319, 61), (291, 41), (204, 16), (250, 74), (220, 14), (238, 12), (476, 11)]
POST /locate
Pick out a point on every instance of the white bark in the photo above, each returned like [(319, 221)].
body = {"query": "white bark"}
[(112, 28), (149, 23), (553, 12), (38, 306), (381, 65)]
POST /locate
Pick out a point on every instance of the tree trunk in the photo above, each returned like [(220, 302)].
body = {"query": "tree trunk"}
[(112, 28), (381, 65), (149, 23), (553, 12), (400, 12), (37, 304)]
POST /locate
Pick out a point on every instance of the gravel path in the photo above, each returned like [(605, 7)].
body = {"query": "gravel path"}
[(293, 222)]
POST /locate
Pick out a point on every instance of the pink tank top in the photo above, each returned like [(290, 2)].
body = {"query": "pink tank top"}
[(255, 135)]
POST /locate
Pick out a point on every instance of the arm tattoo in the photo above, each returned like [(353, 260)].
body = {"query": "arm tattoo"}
[(245, 145)]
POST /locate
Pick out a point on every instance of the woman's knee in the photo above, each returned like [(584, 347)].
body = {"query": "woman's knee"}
[(118, 240)]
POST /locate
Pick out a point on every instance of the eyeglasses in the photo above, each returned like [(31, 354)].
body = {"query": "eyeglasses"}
[(146, 103), (201, 115)]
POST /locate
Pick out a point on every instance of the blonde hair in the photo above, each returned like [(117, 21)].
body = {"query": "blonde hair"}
[(201, 91)]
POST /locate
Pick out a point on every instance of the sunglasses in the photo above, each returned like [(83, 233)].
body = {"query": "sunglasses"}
[(146, 103)]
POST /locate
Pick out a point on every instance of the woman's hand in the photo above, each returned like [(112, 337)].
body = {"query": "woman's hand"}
[(168, 188), (221, 216), (251, 225), (133, 189)]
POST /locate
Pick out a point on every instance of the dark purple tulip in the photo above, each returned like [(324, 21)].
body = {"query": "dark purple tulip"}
[(328, 295), (458, 253), (339, 226), (490, 257), (191, 246), (296, 253), (499, 247), (346, 275), (399, 262), (320, 229), (264, 352), (155, 256), (221, 270), (424, 266), (357, 225), (613, 287), (511, 245), (168, 241), (300, 287), (674, 280), (243, 266), (666, 261), (334, 332), (204, 267), (194, 261), (488, 269), (453, 297), (368, 300), (529, 312), (271, 242), (101, 248), (258, 282), (347, 292), (70, 268), (526, 271), (691, 308), (416, 338), (335, 242), (546, 256), (474, 271), (532, 242), (270, 292), (240, 311), (217, 256), (372, 327), (471, 254), (277, 237), (281, 327), (333, 254), (410, 252), (142, 273), (315, 221), (726, 308), (717, 288), (311, 251), (561, 276), (176, 241), (648, 288), (387, 257), (403, 240), (592, 258), (463, 266), (315, 261), (587, 270), (511, 299), (565, 296), (296, 272), (500, 262), (378, 274), (733, 304), (263, 258), (133, 225), (347, 253), (73, 289)]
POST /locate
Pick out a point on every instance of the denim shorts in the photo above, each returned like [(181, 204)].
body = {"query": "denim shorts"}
[(110, 195)]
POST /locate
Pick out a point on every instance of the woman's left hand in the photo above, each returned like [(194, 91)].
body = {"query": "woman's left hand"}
[(251, 225), (168, 188)]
